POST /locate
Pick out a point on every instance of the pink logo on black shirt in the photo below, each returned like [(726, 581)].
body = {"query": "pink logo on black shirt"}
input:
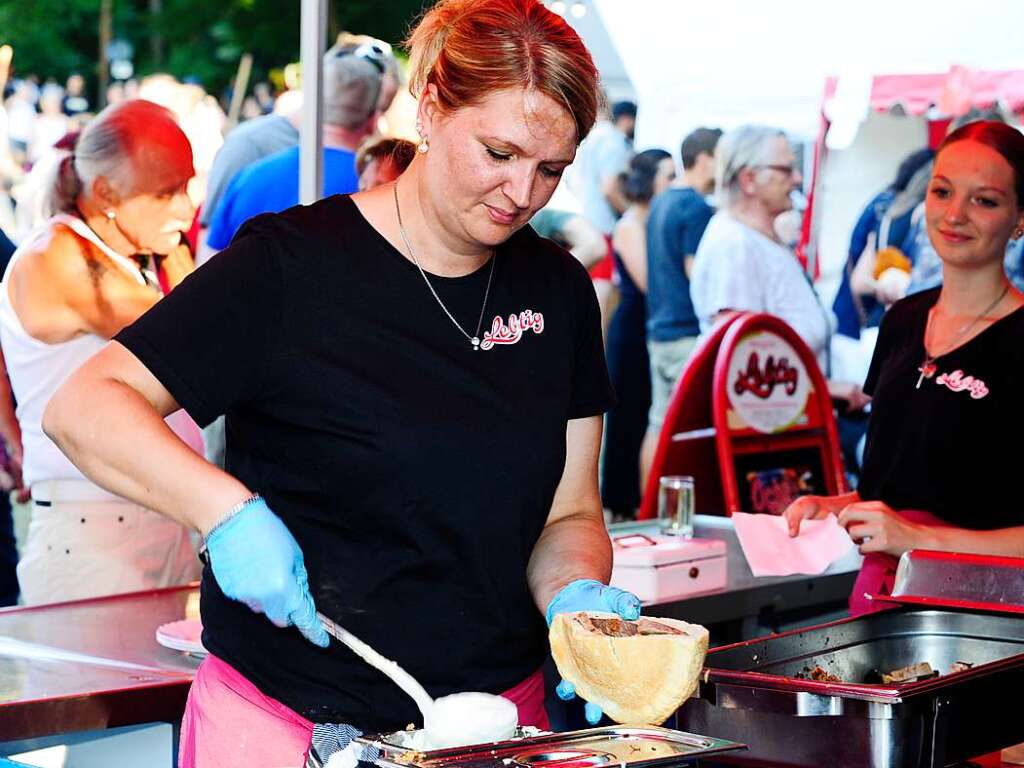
[(957, 382), (513, 331)]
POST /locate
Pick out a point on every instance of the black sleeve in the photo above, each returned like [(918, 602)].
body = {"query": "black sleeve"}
[(210, 339), (592, 392)]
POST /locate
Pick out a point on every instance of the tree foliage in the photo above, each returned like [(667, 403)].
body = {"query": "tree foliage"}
[(50, 37), (200, 39)]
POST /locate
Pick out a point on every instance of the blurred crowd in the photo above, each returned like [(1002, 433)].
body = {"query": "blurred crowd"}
[(672, 239), (164, 175)]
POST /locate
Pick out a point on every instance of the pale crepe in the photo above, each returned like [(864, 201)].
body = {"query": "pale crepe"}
[(637, 680)]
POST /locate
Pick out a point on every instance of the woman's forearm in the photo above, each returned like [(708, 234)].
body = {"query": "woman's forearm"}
[(1008, 542), (573, 547), (10, 430), (119, 441)]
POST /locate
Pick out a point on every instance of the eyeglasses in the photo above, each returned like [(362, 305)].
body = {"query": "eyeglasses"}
[(789, 170)]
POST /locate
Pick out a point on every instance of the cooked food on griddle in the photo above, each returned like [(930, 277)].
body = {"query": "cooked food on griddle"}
[(818, 674), (910, 674), (913, 673)]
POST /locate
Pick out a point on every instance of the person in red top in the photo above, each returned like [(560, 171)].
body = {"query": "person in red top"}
[(945, 380)]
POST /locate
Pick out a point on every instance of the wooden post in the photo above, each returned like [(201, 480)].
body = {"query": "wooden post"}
[(156, 38), (106, 33), (238, 92)]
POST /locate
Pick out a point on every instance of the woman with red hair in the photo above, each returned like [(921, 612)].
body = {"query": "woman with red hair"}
[(413, 384)]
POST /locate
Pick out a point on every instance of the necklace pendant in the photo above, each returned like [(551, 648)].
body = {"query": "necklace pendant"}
[(927, 370), (475, 342)]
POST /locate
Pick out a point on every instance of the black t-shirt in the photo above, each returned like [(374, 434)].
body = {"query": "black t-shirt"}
[(415, 472), (942, 448)]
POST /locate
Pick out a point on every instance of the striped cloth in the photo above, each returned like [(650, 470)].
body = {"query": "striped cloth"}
[(330, 739)]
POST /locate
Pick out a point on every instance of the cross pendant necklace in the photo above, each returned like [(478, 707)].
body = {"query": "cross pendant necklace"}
[(927, 368)]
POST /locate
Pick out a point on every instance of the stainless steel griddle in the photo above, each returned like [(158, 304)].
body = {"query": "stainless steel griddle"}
[(636, 747), (945, 609)]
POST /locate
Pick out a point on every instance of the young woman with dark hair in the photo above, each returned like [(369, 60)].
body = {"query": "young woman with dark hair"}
[(945, 379), (650, 172)]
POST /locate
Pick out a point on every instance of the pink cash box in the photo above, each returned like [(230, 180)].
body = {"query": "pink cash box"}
[(661, 568)]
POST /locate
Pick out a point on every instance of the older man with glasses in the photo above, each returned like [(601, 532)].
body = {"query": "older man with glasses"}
[(741, 264)]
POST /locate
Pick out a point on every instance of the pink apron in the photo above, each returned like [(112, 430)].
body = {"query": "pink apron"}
[(878, 572), (229, 723)]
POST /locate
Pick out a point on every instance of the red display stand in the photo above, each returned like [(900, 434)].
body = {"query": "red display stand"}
[(751, 420)]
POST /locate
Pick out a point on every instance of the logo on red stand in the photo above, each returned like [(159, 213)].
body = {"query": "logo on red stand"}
[(768, 384), (762, 383)]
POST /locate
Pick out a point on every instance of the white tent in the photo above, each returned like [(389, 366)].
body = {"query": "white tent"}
[(734, 61), (730, 62)]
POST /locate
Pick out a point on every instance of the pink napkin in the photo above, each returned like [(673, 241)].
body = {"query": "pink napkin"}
[(771, 552)]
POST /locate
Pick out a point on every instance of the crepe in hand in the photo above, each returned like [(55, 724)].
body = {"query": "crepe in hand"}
[(638, 672)]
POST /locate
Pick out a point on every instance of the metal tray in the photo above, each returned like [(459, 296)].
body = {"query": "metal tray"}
[(981, 583), (853, 648), (748, 691), (637, 747)]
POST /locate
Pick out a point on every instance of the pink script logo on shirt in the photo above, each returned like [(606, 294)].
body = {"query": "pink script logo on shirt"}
[(957, 382), (502, 333)]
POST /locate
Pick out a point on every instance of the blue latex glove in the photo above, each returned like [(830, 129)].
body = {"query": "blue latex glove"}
[(590, 595), (256, 560)]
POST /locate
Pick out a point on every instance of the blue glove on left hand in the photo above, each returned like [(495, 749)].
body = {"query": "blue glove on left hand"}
[(590, 595)]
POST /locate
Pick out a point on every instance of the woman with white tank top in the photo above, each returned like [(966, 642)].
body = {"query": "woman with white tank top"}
[(67, 290)]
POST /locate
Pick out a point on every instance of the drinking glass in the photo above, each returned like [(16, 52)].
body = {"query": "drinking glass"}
[(675, 505)]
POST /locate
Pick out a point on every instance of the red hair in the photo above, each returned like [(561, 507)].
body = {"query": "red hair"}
[(468, 49)]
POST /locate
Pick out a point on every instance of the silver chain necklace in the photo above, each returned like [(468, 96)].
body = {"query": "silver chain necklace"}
[(475, 338), (928, 367)]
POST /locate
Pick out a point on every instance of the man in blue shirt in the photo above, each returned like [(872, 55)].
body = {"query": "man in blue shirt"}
[(675, 225), (351, 89), (604, 154)]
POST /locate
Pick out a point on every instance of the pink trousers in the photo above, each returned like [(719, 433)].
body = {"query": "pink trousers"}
[(228, 723)]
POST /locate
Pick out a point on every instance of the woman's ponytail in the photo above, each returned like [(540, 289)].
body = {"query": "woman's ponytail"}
[(64, 188)]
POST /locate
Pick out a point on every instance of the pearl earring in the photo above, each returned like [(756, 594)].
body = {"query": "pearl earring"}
[(110, 213), (423, 146)]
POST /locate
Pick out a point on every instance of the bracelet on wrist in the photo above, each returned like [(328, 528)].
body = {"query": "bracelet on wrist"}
[(254, 499)]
